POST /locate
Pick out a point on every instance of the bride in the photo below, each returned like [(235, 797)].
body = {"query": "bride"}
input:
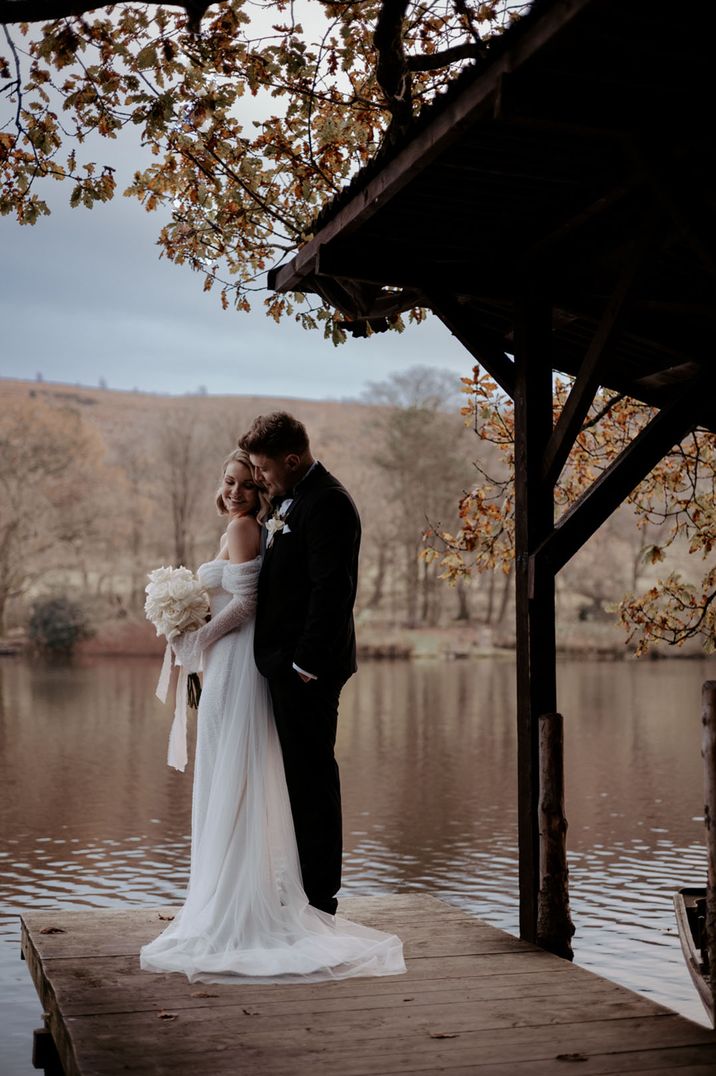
[(246, 914)]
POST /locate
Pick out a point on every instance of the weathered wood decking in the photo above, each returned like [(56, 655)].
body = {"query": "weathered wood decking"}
[(475, 1000)]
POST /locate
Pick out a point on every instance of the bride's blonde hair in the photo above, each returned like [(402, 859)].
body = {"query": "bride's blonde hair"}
[(240, 455)]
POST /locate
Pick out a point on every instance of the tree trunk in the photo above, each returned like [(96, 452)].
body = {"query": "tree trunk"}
[(379, 578), (411, 585), (491, 583), (463, 607), (425, 607), (505, 600)]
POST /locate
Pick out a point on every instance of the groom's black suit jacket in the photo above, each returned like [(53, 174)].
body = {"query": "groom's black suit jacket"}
[(307, 584)]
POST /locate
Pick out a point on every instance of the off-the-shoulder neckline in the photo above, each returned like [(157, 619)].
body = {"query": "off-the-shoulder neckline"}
[(224, 560)]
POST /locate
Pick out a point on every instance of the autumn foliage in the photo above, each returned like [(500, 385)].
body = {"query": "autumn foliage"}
[(678, 496), (248, 127), (251, 117)]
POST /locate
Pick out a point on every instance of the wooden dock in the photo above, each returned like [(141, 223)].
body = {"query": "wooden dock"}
[(475, 1000)]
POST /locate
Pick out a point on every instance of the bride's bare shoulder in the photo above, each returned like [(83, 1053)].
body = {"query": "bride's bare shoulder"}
[(243, 538)]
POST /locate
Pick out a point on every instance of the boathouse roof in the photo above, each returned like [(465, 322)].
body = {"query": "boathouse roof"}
[(577, 158)]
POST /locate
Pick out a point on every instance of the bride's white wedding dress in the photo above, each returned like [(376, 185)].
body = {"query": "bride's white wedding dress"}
[(246, 913)]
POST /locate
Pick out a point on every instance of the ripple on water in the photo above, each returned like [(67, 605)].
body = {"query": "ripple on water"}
[(441, 817)]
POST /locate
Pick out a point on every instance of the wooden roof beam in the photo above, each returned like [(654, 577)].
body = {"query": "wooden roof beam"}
[(613, 486), (580, 398), (413, 271), (488, 350), (446, 128), (573, 224), (690, 214)]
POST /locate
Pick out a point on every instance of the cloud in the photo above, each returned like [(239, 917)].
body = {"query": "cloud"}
[(85, 296)]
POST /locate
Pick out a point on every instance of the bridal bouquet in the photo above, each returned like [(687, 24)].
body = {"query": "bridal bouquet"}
[(176, 602)]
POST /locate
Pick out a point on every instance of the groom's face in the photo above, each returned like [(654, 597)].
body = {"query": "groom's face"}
[(275, 474)]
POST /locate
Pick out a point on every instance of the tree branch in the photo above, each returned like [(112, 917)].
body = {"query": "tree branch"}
[(604, 411), (469, 50), (391, 67), (46, 10)]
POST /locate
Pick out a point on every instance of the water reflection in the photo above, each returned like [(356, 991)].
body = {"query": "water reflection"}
[(91, 815)]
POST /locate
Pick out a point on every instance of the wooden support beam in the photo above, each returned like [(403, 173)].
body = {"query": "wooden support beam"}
[(673, 187), (535, 630), (580, 398), (554, 923), (571, 226), (613, 486), (487, 349)]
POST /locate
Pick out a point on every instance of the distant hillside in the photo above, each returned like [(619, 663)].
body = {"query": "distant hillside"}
[(402, 474), (336, 429)]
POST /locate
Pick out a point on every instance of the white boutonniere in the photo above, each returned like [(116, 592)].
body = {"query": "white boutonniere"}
[(277, 524)]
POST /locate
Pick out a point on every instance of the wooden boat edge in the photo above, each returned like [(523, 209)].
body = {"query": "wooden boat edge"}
[(692, 956)]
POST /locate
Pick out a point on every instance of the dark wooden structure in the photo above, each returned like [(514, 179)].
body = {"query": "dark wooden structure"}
[(475, 1000), (555, 208)]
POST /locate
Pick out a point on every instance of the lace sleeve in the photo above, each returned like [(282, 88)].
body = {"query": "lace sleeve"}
[(241, 584)]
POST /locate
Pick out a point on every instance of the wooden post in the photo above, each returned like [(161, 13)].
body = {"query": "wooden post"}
[(44, 1051), (708, 717), (534, 591), (554, 923)]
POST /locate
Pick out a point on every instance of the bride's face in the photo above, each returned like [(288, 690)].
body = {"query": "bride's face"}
[(238, 490)]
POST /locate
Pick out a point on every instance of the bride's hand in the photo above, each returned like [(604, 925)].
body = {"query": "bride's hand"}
[(186, 651)]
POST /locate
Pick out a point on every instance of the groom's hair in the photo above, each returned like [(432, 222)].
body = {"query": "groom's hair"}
[(275, 434)]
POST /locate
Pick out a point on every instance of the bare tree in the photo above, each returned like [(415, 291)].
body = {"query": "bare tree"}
[(423, 459), (184, 463), (51, 477)]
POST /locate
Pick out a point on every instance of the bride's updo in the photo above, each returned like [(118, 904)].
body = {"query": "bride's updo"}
[(240, 455)]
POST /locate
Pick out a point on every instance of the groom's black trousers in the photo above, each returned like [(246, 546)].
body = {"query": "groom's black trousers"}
[(306, 717)]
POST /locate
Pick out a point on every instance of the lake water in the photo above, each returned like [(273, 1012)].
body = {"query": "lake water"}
[(90, 815)]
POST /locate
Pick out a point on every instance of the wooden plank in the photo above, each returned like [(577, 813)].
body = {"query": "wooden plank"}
[(208, 1042), (102, 987), (684, 1061), (515, 1009)]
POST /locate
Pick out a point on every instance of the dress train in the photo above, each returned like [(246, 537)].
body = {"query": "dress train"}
[(246, 914)]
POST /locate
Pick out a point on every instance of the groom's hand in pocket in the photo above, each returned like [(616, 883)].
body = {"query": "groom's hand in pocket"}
[(305, 676)]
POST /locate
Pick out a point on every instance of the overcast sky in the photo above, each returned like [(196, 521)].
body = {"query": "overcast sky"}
[(85, 296)]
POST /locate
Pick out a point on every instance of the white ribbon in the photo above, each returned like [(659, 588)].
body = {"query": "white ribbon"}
[(177, 753), (165, 675)]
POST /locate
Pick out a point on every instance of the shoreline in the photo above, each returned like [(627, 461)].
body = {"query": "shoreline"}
[(130, 638)]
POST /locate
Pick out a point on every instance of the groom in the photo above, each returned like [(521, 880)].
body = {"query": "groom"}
[(304, 638)]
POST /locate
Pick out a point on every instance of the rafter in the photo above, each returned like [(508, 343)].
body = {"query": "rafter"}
[(580, 398), (613, 486), (487, 349)]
